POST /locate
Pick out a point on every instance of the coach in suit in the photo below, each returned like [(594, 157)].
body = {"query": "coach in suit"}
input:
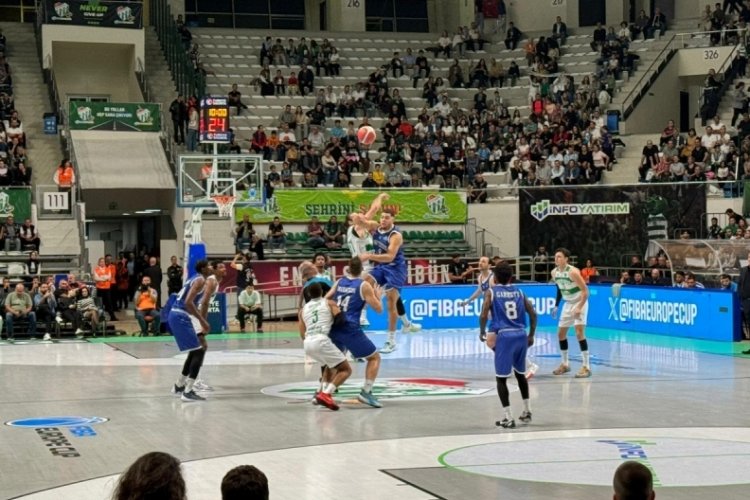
[(559, 31), (744, 290)]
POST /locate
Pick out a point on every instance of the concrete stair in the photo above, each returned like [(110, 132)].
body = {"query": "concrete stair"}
[(32, 100), (628, 159), (160, 82)]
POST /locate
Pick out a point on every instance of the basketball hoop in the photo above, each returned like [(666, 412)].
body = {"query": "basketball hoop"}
[(225, 204)]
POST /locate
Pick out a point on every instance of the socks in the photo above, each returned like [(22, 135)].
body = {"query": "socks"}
[(405, 320), (181, 381), (527, 405), (392, 337), (507, 413), (189, 384), (368, 385), (330, 389), (586, 359)]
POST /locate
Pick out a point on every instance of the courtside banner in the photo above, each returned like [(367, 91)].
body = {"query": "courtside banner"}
[(439, 307), (707, 314), (412, 206), (100, 13), (603, 223)]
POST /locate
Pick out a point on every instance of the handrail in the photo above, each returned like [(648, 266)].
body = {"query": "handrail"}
[(140, 73), (677, 41)]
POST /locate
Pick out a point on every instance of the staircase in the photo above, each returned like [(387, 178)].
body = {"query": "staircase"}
[(32, 100), (160, 82)]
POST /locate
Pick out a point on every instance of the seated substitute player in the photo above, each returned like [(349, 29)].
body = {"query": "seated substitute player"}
[(571, 287), (315, 322), (351, 293), (507, 338), (485, 281)]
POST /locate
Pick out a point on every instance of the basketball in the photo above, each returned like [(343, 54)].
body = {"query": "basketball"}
[(366, 135)]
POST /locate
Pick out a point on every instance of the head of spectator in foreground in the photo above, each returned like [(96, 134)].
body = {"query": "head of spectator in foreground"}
[(154, 476), (244, 482), (633, 481)]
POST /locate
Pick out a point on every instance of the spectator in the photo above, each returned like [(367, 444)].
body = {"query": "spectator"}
[(600, 38), (333, 234), (541, 264), (174, 276), (192, 128), (33, 266), (19, 306), (250, 302), (103, 282), (29, 236), (45, 307), (459, 272), (156, 275), (691, 282), (315, 236), (512, 37), (306, 80), (726, 283), (122, 283), (179, 114), (478, 190), (155, 475), (64, 176), (658, 22), (276, 235), (246, 239), (588, 271), (560, 31), (10, 233), (633, 481), (146, 302), (245, 482)]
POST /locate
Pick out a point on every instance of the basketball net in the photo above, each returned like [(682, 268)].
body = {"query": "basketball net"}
[(225, 204)]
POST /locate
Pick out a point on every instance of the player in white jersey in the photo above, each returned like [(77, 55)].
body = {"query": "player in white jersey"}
[(315, 321), (571, 287), (485, 281)]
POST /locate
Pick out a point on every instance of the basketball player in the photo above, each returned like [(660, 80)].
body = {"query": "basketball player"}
[(572, 288), (315, 321), (351, 293), (485, 281), (389, 270), (189, 324), (359, 240), (507, 338)]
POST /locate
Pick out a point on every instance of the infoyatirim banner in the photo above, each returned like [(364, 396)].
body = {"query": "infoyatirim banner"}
[(603, 223), (100, 13)]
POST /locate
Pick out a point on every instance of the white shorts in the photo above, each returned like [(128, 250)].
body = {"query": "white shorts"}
[(320, 348), (567, 319)]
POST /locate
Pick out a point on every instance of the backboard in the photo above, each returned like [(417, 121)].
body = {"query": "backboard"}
[(202, 176)]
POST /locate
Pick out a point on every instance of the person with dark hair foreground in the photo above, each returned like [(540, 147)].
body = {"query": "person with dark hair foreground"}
[(244, 482), (633, 481), (153, 476), (508, 340)]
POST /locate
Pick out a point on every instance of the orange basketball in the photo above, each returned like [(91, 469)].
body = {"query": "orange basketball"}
[(366, 135)]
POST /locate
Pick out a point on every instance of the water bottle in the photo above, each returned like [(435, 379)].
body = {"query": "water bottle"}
[(251, 194)]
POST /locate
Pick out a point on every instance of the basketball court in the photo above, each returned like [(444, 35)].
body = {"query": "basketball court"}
[(78, 413)]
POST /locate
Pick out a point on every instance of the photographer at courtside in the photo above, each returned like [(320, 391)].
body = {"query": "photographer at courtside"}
[(145, 307)]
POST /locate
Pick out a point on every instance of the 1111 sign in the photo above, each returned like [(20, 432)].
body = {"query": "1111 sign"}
[(214, 120)]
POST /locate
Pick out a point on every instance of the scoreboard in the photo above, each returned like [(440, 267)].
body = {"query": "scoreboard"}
[(214, 120)]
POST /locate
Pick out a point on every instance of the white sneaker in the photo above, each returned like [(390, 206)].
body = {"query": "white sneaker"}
[(47, 337), (200, 385), (59, 320), (531, 370), (411, 328), (388, 347), (79, 331)]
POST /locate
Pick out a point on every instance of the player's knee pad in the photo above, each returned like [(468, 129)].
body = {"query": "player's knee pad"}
[(400, 307)]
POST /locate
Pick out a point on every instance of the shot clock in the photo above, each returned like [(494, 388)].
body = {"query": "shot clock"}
[(214, 120)]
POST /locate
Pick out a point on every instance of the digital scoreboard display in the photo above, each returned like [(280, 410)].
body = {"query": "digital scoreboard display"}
[(214, 120)]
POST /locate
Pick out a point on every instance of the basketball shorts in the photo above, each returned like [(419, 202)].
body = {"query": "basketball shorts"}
[(568, 319), (389, 277), (185, 329), (320, 348), (354, 340), (510, 353)]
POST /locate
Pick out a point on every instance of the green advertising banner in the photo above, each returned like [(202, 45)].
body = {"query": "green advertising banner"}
[(410, 206), (117, 116), (15, 202)]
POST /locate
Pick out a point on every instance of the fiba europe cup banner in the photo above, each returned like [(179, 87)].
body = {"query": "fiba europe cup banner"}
[(104, 14), (603, 223), (124, 117), (412, 206)]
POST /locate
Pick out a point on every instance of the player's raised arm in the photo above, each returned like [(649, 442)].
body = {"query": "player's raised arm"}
[(362, 221), (376, 205)]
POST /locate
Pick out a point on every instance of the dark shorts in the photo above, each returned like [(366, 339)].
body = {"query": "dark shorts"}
[(389, 276), (510, 353), (354, 340), (185, 329)]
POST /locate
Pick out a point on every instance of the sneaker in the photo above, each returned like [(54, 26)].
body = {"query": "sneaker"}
[(411, 328), (177, 390), (525, 417), (200, 385), (59, 320), (326, 400), (191, 397), (368, 399), (388, 347), (79, 331), (314, 399), (531, 370), (47, 336), (561, 370), (506, 424), (584, 372)]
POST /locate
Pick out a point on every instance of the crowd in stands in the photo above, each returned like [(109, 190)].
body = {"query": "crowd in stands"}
[(14, 164)]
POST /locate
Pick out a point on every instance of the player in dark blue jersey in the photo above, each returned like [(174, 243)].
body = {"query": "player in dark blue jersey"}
[(507, 337), (351, 293), (389, 271)]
